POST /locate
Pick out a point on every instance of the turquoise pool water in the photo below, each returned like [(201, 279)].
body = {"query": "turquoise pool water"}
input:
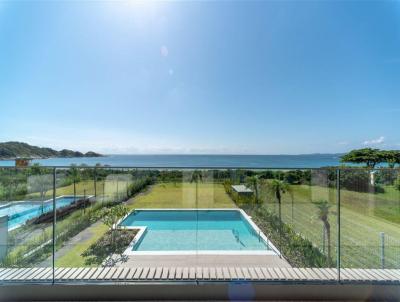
[(190, 230), (21, 212)]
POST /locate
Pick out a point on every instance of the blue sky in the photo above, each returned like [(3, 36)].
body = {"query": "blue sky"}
[(201, 77)]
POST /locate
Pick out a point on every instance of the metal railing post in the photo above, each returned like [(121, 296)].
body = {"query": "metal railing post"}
[(54, 223), (338, 222)]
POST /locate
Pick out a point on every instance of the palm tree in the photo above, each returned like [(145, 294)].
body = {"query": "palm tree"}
[(253, 182), (196, 177), (277, 188), (323, 210)]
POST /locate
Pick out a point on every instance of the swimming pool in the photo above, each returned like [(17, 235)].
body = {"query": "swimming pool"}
[(195, 230), (20, 212)]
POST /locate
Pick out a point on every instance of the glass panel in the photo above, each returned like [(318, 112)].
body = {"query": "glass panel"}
[(26, 219), (294, 214), (370, 217), (100, 227)]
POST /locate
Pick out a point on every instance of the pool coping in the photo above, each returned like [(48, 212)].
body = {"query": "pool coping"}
[(142, 230)]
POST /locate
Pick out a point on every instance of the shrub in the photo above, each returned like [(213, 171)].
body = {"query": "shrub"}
[(298, 251), (106, 246)]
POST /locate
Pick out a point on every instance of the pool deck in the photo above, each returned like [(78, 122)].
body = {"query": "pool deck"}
[(202, 260)]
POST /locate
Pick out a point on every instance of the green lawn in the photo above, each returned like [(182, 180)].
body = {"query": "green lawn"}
[(360, 223), (183, 195), (72, 257), (360, 226)]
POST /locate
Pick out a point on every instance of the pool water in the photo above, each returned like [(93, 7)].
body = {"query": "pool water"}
[(21, 212), (190, 230)]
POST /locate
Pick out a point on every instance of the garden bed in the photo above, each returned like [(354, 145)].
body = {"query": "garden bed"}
[(105, 246)]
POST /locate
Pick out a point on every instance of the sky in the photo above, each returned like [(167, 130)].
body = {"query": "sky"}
[(268, 77)]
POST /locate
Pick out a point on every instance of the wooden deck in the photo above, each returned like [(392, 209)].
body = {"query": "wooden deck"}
[(195, 274)]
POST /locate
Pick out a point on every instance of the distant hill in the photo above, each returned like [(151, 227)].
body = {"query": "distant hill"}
[(11, 150)]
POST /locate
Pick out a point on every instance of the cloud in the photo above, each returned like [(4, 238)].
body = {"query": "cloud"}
[(377, 141), (343, 143)]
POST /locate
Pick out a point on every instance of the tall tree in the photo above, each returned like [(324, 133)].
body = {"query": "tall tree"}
[(323, 210), (391, 157), (75, 177), (253, 182), (368, 156), (197, 177), (277, 188)]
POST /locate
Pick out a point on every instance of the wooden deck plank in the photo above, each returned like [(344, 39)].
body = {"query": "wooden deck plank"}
[(259, 273), (356, 275), (375, 275), (104, 273), (346, 275), (131, 273), (117, 273), (178, 273), (48, 275), (226, 274), (286, 273), (206, 273), (245, 272), (172, 273), (61, 272), (165, 273), (40, 274), (252, 273), (330, 273), (185, 273), (395, 273), (109, 274), (90, 273), (4, 272), (11, 273), (311, 274), (319, 273), (363, 274), (124, 273), (278, 273), (213, 273), (30, 273), (158, 273), (76, 273), (384, 274), (152, 271), (290, 274), (69, 273), (97, 273), (241, 274), (267, 274), (192, 273), (144, 274), (137, 273), (219, 273), (232, 273), (300, 273), (22, 272), (199, 273), (367, 276)]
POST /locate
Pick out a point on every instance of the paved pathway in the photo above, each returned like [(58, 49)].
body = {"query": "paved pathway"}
[(81, 237)]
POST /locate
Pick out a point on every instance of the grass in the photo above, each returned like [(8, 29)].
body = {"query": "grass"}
[(360, 226), (73, 256), (183, 195)]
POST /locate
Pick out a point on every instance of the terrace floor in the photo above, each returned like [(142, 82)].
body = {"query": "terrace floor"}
[(203, 261)]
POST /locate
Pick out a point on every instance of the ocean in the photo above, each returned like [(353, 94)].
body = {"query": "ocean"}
[(196, 161)]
